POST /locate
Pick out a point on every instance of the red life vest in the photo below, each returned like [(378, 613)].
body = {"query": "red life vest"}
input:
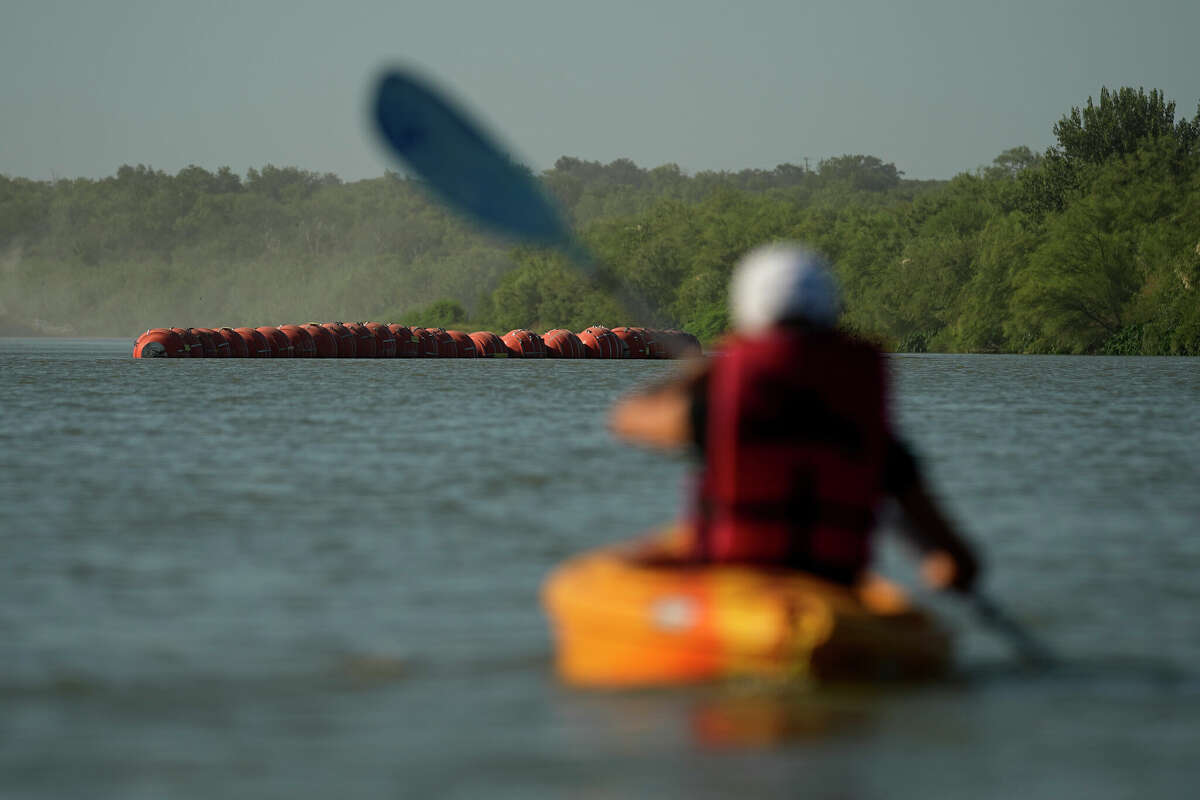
[(795, 449)]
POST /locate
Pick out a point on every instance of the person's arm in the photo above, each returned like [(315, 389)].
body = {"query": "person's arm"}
[(948, 561), (661, 415)]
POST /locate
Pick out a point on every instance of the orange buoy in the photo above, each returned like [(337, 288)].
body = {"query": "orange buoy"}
[(346, 342), (648, 337), (464, 343), (281, 345), (656, 343), (562, 343), (691, 345), (364, 340), (302, 342), (323, 339), (489, 345), (191, 343), (522, 343), (385, 340), (634, 339), (679, 344), (446, 346), (237, 345), (406, 341), (427, 343), (159, 343), (207, 346), (602, 343), (256, 344), (220, 346)]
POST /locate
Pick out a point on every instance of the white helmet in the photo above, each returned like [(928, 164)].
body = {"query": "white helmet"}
[(779, 281)]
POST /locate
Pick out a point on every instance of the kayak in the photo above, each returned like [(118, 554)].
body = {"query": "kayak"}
[(618, 622)]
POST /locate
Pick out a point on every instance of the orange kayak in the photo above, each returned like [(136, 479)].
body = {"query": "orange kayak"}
[(620, 623)]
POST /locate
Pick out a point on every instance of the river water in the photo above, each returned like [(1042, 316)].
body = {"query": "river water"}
[(313, 579)]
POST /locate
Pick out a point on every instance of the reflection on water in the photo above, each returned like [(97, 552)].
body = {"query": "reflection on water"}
[(305, 579), (764, 718)]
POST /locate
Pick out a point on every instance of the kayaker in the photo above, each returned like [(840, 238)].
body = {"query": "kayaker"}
[(792, 422)]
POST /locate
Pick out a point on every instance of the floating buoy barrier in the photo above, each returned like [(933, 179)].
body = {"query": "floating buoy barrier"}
[(561, 343), (365, 345), (464, 343), (394, 340), (522, 343), (323, 340), (302, 342), (281, 345), (406, 342), (427, 346), (444, 345), (345, 339), (159, 343), (256, 343), (219, 342), (602, 342), (634, 340), (207, 346), (385, 341), (489, 345), (683, 345), (656, 344), (191, 343), (237, 345)]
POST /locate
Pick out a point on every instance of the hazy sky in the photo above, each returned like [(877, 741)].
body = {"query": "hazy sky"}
[(937, 87)]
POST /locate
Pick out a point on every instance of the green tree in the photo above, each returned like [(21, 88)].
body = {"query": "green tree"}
[(1120, 123), (1076, 288), (863, 173), (1012, 162), (544, 292), (985, 306), (443, 313)]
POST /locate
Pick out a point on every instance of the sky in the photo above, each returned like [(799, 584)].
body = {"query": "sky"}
[(934, 86)]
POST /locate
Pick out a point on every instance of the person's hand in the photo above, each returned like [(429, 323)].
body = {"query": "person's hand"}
[(660, 415), (943, 571)]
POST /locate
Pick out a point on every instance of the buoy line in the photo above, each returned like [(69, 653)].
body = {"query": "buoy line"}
[(381, 340)]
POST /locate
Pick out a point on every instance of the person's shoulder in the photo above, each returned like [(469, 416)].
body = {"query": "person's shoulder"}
[(735, 346), (857, 344), (834, 339), (787, 345), (846, 353)]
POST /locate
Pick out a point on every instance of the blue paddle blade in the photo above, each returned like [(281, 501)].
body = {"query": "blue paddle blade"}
[(462, 165)]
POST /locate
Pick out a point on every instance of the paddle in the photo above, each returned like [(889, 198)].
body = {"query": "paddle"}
[(1032, 651), (462, 164), (464, 167)]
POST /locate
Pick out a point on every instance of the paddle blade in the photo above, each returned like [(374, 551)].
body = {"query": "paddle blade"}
[(461, 164)]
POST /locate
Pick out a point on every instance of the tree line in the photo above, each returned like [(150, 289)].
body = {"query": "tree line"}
[(1092, 246)]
